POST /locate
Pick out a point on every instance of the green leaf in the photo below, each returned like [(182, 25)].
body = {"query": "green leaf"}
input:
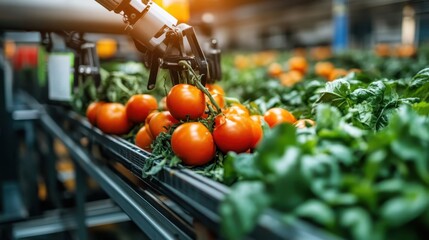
[(402, 209), (327, 117), (240, 166), (174, 162), (339, 151), (336, 93), (104, 74), (422, 108), (372, 94), (321, 166), (154, 169), (374, 164), (364, 191), (364, 114), (419, 86), (408, 150), (273, 147), (317, 212), (281, 183), (351, 131), (241, 209), (357, 222), (390, 186), (412, 141), (324, 176)]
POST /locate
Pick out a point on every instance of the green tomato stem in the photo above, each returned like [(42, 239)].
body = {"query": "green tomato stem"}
[(231, 100), (200, 86), (122, 87)]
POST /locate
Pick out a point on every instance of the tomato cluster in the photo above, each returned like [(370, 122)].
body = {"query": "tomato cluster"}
[(116, 118), (197, 124)]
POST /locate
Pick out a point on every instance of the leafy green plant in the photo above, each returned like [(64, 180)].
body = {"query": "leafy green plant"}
[(369, 105), (356, 183), (119, 81), (361, 173)]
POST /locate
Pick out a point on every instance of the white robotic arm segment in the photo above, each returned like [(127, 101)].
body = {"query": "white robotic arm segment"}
[(158, 34), (147, 23), (151, 29), (111, 5)]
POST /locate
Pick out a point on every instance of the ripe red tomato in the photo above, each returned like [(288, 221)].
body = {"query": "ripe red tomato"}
[(144, 139), (139, 106), (185, 101), (150, 116), (256, 130), (298, 63), (112, 119), (276, 116), (193, 143), (92, 112), (233, 133), (237, 109), (160, 122)]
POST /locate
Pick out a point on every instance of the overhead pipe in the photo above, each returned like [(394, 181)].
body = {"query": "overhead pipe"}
[(57, 15)]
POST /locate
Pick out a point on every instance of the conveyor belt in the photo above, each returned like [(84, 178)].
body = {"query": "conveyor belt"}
[(199, 196)]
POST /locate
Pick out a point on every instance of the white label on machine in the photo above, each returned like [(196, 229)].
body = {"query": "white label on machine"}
[(60, 76)]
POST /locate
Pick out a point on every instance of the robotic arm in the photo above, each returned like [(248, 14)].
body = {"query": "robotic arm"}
[(161, 38)]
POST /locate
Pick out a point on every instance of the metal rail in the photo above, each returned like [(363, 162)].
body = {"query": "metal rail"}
[(98, 213), (149, 215)]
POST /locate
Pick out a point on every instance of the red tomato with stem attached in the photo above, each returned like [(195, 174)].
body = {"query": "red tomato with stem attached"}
[(139, 106), (112, 119), (193, 143), (276, 116), (186, 101), (233, 133)]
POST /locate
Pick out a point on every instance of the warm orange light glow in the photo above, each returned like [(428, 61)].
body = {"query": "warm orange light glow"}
[(178, 8)]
